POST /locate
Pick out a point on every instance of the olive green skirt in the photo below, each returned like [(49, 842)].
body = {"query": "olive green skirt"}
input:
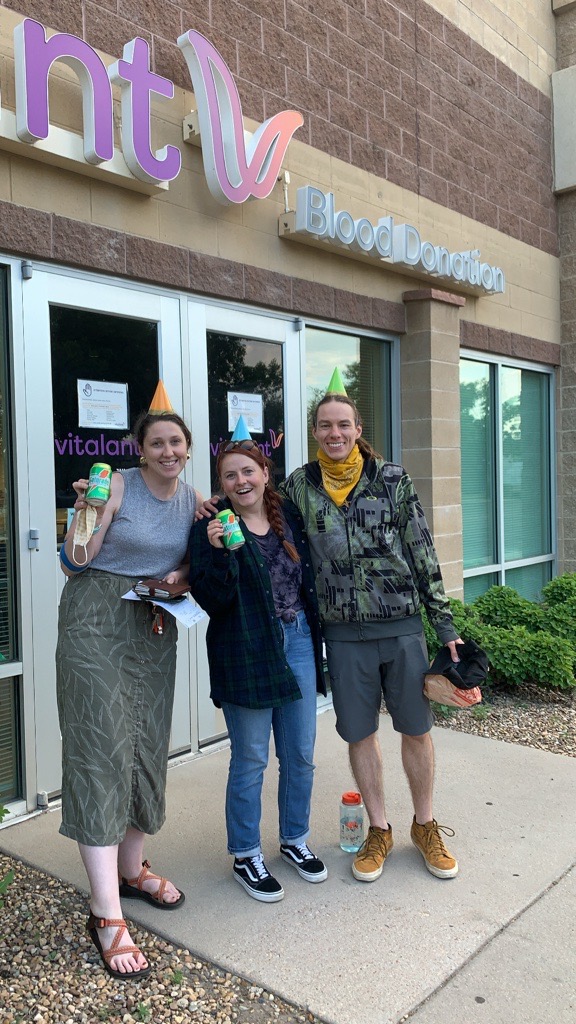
[(115, 685)]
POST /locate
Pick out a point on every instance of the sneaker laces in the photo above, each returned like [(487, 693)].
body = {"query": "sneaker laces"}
[(304, 852), (259, 866), (434, 840), (375, 842)]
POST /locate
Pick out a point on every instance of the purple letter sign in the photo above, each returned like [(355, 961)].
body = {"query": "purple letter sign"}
[(137, 82), (33, 58)]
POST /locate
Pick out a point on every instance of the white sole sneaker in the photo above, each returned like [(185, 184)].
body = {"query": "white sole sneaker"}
[(262, 897), (316, 876)]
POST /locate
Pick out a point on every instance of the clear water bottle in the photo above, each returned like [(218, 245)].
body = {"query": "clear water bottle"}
[(351, 822)]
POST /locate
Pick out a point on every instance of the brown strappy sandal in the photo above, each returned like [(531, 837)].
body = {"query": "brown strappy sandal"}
[(131, 889), (115, 949)]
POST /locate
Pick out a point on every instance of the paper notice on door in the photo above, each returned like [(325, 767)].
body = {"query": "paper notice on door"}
[(185, 611), (102, 403), (251, 407)]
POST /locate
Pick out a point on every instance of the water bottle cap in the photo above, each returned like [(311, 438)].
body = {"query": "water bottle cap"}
[(351, 798)]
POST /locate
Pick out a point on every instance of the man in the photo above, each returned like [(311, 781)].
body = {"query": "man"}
[(375, 567)]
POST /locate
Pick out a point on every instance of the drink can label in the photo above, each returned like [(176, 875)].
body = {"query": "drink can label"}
[(99, 483), (232, 536)]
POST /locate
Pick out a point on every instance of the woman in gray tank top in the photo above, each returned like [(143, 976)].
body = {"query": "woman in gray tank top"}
[(115, 679)]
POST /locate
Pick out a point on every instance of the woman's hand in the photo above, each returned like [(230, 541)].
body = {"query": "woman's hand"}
[(80, 486), (179, 575), (207, 508), (215, 531)]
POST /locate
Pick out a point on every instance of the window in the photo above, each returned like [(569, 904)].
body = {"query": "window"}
[(251, 370), (365, 367), (506, 477), (91, 345)]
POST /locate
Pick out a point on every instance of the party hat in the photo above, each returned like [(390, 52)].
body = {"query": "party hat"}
[(160, 402), (336, 385), (241, 432)]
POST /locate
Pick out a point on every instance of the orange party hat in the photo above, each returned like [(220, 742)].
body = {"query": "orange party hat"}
[(160, 402)]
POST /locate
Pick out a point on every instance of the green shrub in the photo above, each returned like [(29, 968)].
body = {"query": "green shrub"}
[(560, 620), (518, 656), (503, 606), (561, 590)]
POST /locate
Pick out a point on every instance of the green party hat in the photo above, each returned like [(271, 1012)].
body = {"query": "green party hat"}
[(241, 432), (336, 385)]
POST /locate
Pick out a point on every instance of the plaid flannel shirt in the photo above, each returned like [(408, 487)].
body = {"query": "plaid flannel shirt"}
[(244, 639)]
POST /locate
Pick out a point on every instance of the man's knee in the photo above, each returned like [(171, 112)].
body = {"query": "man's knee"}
[(366, 743), (422, 740)]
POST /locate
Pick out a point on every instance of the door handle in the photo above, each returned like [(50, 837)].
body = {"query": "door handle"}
[(34, 540)]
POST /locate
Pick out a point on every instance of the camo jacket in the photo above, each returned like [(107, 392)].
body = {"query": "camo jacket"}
[(374, 559)]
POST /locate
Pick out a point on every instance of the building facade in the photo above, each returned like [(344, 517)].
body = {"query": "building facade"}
[(235, 198)]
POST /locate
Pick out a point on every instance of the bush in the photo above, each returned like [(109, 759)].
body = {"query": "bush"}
[(560, 620), (561, 590), (503, 606), (518, 656)]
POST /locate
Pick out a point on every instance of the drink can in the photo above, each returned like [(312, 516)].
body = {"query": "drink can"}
[(232, 537), (99, 483)]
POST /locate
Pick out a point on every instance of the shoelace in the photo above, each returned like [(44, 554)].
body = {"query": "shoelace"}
[(373, 839), (434, 839), (304, 852), (259, 866)]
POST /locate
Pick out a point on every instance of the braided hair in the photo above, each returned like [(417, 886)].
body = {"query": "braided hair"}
[(365, 448), (272, 500)]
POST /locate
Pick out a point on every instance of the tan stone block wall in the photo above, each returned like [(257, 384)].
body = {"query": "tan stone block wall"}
[(430, 352), (521, 33)]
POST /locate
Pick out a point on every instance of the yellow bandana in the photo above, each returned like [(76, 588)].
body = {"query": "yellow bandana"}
[(340, 477)]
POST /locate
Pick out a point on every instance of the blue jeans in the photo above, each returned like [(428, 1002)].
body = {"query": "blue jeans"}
[(294, 728)]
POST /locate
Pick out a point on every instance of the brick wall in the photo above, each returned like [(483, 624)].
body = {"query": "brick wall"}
[(393, 88), (566, 420)]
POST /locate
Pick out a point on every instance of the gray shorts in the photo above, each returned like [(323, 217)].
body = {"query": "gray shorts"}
[(364, 671)]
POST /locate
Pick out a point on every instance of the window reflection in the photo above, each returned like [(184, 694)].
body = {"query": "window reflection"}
[(365, 367)]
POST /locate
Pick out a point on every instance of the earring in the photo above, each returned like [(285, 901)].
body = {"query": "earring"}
[(187, 456), (143, 460)]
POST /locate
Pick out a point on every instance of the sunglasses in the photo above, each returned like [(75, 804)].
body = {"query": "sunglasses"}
[(248, 445)]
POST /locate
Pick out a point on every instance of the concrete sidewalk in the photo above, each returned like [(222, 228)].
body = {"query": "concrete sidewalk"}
[(496, 944)]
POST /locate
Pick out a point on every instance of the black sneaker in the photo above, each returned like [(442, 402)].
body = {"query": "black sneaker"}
[(253, 874), (307, 865)]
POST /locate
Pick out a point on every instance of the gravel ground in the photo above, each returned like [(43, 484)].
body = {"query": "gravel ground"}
[(529, 715), (50, 973)]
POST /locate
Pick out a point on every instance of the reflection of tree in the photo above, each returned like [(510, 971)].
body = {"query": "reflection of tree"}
[(351, 379), (229, 371)]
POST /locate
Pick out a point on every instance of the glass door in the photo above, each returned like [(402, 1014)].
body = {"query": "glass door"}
[(94, 353), (245, 363)]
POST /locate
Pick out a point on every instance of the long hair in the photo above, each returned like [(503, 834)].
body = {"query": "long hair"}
[(147, 419), (366, 449), (272, 500)]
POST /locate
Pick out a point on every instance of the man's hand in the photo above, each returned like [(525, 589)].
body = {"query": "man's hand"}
[(451, 645), (207, 508)]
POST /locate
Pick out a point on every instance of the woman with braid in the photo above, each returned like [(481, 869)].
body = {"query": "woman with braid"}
[(265, 658)]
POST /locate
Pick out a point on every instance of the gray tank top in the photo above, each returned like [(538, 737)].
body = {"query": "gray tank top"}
[(147, 537)]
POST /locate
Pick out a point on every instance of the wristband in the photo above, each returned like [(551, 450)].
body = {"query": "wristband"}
[(70, 565)]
